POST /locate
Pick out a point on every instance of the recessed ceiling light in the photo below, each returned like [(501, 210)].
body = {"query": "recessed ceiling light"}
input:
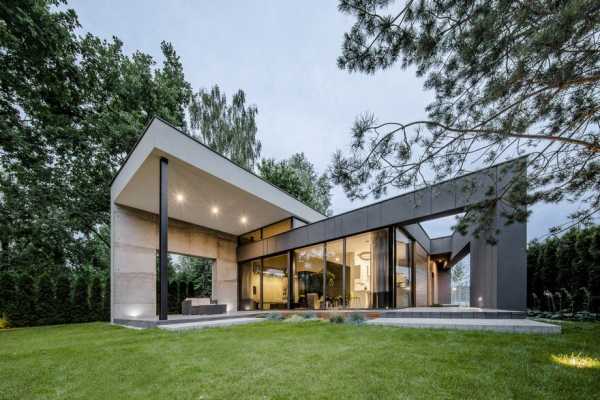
[(215, 210), (179, 197), (243, 220)]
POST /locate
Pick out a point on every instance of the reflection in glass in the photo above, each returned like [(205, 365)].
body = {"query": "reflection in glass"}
[(277, 228), (250, 237), (421, 276), (334, 275), (308, 277), (189, 276), (403, 271), (275, 282), (367, 282), (250, 285)]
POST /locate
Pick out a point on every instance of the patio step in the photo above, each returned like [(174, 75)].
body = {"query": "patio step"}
[(496, 325)]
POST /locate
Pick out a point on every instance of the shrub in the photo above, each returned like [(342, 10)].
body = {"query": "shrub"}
[(64, 312), (336, 319), (106, 301), (81, 307), (276, 316), (309, 315), (8, 296), (295, 318), (96, 299), (25, 314), (356, 318), (4, 322), (46, 301)]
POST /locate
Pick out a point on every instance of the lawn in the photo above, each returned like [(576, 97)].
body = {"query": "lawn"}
[(282, 360)]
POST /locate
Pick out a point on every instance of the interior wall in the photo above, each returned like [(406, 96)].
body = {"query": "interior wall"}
[(134, 237)]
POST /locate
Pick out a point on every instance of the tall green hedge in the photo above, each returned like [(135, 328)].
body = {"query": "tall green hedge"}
[(563, 273), (29, 301)]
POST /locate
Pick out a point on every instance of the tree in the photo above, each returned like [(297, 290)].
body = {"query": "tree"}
[(594, 272), (46, 301), (72, 106), (65, 299), (548, 267), (106, 300), (8, 296), (229, 129), (81, 305), (508, 78), (298, 177), (25, 313), (96, 303), (565, 260), (533, 253)]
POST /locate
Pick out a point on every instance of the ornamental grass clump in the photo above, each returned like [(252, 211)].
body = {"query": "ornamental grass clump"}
[(276, 316), (336, 319), (356, 318), (295, 319)]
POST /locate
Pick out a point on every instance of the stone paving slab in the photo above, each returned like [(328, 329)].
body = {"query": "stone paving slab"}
[(476, 324), (209, 324)]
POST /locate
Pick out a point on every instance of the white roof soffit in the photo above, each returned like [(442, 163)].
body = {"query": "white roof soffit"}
[(200, 180)]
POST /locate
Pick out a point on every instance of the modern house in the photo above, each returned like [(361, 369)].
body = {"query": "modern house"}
[(174, 195)]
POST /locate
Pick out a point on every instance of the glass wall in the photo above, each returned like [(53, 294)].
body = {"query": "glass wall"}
[(250, 237), (353, 272), (250, 285), (334, 275), (403, 271), (277, 228), (308, 282), (189, 276), (367, 266), (275, 282), (421, 276)]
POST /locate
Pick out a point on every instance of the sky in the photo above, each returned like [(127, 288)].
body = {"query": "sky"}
[(283, 55)]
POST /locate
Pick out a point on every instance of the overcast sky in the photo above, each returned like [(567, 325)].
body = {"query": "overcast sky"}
[(283, 55)]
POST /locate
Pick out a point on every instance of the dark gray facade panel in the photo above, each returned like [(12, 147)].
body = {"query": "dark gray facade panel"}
[(374, 217), (398, 209), (333, 227), (507, 172), (316, 232), (444, 287), (443, 197), (483, 274), (475, 188), (422, 203), (250, 251), (419, 234), (297, 237), (512, 264), (354, 222), (441, 245)]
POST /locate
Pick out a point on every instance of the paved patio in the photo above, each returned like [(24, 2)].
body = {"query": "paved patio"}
[(209, 324)]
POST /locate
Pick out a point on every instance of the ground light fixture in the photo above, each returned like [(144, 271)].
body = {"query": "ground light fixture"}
[(179, 197), (214, 210), (244, 220)]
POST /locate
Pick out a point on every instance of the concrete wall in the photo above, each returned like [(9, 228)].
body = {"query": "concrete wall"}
[(134, 237)]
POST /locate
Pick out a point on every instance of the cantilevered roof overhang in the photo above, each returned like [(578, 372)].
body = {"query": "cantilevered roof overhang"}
[(205, 188)]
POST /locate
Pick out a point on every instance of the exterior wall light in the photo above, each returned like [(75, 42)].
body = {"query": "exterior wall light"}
[(179, 197)]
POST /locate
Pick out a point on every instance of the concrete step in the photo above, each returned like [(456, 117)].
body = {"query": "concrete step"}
[(209, 324), (475, 324)]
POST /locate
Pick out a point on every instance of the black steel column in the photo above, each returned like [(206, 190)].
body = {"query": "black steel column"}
[(290, 254), (344, 302), (163, 238), (392, 268), (324, 305)]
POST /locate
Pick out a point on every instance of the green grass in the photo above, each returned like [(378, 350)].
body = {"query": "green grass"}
[(284, 360)]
